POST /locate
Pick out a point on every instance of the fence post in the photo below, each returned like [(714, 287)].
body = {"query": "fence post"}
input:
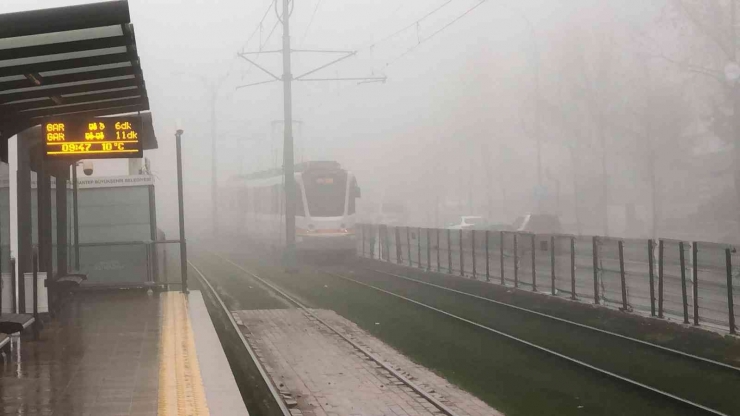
[(534, 265), (372, 242), (501, 250), (516, 260), (398, 244), (472, 244), (573, 268), (651, 265), (362, 230), (695, 252), (660, 278), (684, 297), (418, 247), (13, 286), (439, 266), (449, 251), (35, 285), (595, 256), (429, 249), (730, 300), (488, 271), (408, 244), (552, 264), (620, 244), (462, 255)]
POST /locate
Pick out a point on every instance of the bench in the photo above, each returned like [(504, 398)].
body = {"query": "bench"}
[(11, 323)]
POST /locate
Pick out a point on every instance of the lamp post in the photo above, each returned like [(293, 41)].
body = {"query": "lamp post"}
[(181, 202)]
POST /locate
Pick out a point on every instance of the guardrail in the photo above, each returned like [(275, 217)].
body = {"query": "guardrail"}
[(689, 280)]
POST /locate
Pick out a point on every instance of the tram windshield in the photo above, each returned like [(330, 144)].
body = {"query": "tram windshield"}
[(325, 193)]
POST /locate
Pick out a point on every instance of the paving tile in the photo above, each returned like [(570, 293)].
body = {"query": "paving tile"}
[(332, 377)]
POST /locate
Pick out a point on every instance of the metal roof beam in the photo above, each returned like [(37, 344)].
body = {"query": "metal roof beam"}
[(71, 89), (9, 109), (66, 47), (76, 108), (68, 64), (61, 19), (76, 77)]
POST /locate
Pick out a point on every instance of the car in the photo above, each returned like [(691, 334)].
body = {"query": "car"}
[(468, 222), (538, 224)]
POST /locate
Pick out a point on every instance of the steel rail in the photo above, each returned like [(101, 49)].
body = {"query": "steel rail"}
[(275, 394), (535, 346), (555, 318), (436, 403)]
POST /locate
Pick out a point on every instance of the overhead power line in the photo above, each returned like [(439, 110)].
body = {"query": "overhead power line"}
[(440, 30), (310, 22), (405, 28), (259, 26)]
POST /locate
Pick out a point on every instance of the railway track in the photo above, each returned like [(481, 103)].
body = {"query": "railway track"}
[(548, 351), (443, 409), (569, 358)]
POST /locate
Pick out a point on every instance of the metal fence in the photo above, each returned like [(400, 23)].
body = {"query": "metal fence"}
[(687, 280)]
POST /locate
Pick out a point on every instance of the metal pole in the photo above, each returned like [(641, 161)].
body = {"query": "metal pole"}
[(418, 247), (75, 214), (552, 264), (573, 268), (462, 258), (534, 263), (501, 255), (398, 245), (595, 256), (660, 278), (288, 164), (620, 244), (429, 249), (408, 245), (516, 260), (730, 300), (449, 251), (362, 229), (651, 265), (439, 266), (488, 271), (214, 167), (14, 285), (35, 285), (695, 252), (181, 206), (472, 239), (684, 297)]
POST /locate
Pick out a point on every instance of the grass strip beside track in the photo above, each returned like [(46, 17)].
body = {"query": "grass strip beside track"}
[(665, 371)]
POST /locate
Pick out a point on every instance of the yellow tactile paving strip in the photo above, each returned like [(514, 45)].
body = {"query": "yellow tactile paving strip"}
[(180, 384)]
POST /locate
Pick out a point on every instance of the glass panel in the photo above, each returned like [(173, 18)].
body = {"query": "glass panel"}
[(325, 192)]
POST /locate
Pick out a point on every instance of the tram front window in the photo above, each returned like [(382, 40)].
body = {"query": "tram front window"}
[(325, 194)]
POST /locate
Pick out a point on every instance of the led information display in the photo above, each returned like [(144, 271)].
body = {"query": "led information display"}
[(102, 138)]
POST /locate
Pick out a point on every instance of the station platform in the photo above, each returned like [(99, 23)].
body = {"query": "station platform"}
[(125, 352)]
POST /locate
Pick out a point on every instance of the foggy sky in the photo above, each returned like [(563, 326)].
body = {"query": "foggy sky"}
[(456, 105)]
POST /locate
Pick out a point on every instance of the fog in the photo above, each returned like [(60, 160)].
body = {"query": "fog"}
[(628, 101)]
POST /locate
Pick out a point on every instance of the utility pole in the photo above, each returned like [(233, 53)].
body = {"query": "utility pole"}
[(214, 167), (287, 80), (288, 164)]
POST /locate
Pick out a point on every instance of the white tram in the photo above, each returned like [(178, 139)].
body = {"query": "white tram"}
[(253, 207)]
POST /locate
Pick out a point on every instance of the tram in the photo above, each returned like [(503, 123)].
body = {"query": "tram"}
[(253, 207)]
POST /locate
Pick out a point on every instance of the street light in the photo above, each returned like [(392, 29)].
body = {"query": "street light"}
[(181, 207)]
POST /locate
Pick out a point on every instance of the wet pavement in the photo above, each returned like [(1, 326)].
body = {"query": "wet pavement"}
[(99, 356)]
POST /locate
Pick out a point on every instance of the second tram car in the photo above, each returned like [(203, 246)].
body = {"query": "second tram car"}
[(253, 207)]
